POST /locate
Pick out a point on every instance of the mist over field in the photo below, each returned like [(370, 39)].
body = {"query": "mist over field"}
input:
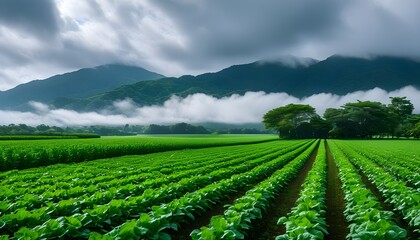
[(197, 108)]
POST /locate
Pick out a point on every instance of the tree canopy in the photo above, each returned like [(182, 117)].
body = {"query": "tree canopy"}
[(361, 119), (286, 120), (179, 128), (358, 120), (402, 107), (415, 131)]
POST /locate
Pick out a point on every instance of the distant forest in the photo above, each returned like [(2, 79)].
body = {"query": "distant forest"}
[(25, 132), (127, 130)]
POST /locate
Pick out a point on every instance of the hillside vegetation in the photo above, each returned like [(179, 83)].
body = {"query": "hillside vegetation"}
[(79, 84), (338, 75)]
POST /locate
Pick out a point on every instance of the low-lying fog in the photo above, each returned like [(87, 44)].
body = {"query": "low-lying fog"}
[(196, 108)]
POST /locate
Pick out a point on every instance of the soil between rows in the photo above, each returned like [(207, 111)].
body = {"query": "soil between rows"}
[(204, 219), (337, 225), (184, 232), (267, 227), (396, 217)]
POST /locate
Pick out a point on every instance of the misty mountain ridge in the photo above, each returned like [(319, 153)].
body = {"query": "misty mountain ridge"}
[(299, 77), (337, 74), (289, 61), (78, 84)]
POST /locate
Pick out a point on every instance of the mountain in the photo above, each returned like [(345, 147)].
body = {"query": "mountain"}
[(336, 74), (341, 75), (78, 84)]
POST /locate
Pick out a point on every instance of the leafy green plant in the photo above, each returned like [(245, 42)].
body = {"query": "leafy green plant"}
[(404, 199), (122, 198), (238, 217), (394, 164), (307, 218), (367, 220), (34, 153), (184, 208)]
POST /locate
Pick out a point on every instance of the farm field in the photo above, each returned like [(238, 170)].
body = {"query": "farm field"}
[(257, 188), (20, 154)]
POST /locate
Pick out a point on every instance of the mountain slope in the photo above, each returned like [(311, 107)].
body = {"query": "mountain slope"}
[(235, 79), (338, 75), (79, 84), (342, 75)]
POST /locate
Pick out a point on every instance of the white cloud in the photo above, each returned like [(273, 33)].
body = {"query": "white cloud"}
[(196, 108)]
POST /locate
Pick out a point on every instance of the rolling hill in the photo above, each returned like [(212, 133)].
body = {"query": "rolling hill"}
[(73, 85), (336, 74)]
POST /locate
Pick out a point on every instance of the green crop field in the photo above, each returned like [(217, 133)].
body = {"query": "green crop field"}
[(20, 154), (209, 187)]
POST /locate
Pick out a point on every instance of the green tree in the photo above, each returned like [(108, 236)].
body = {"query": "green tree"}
[(321, 127), (305, 130), (42, 128), (362, 119), (372, 118), (342, 126), (285, 120), (415, 131), (402, 107), (400, 111)]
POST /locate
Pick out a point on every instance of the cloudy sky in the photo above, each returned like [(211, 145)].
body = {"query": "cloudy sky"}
[(174, 37)]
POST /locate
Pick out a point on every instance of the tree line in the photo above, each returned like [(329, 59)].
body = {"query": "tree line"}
[(361, 119), (185, 128), (123, 130), (23, 131), (179, 128)]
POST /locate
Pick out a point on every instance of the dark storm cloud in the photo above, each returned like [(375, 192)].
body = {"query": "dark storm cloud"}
[(10, 57), (27, 28), (228, 32), (220, 30), (38, 17), (174, 37), (376, 28)]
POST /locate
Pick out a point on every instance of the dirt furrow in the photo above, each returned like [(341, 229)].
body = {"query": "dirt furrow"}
[(204, 219), (337, 225), (267, 228), (396, 217)]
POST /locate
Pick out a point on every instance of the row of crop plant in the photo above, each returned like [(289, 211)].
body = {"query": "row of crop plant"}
[(363, 211), (192, 183), (117, 211), (404, 199), (173, 214), (396, 165), (89, 195), (35, 153), (238, 217)]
